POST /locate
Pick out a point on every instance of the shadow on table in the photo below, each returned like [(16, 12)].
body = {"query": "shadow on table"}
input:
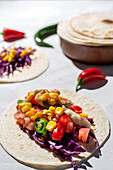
[(106, 68)]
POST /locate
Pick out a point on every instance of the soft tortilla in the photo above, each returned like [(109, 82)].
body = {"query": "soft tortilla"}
[(21, 147), (66, 31), (95, 25), (39, 64)]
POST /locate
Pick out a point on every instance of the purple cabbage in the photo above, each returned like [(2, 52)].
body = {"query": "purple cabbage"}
[(65, 148), (16, 63)]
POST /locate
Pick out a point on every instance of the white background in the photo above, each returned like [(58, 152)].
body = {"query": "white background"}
[(29, 17)]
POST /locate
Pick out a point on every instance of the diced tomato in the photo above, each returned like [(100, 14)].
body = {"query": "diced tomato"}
[(21, 121), (19, 115), (58, 133), (30, 125), (69, 126), (76, 109), (83, 134), (37, 109)]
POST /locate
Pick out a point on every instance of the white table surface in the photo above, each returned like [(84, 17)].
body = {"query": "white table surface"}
[(30, 16)]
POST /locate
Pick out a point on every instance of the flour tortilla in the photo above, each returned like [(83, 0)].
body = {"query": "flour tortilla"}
[(22, 148), (95, 25), (39, 64), (65, 31)]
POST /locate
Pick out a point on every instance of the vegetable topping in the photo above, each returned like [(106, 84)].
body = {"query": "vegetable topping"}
[(44, 116), (12, 59)]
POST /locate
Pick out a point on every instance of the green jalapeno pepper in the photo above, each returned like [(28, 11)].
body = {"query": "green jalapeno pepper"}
[(44, 33), (40, 125), (19, 101)]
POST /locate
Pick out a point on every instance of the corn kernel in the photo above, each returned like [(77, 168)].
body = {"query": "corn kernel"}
[(59, 110), (6, 58), (30, 113), (31, 94), (14, 52), (51, 126), (45, 111), (52, 109), (29, 48), (3, 54), (44, 96), (51, 102), (49, 117), (38, 114), (84, 115), (25, 108), (14, 47), (28, 99), (53, 96), (23, 53), (8, 49), (28, 104), (10, 59), (21, 105)]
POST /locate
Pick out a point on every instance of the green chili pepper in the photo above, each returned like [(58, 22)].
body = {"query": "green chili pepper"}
[(40, 125), (44, 33), (19, 101)]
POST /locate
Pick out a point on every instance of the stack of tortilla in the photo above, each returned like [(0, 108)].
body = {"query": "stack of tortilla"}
[(89, 30)]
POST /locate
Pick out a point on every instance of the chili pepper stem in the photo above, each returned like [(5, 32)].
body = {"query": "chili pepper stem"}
[(79, 81), (2, 33)]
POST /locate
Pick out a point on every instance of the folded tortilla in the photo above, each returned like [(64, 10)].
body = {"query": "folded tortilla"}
[(39, 64), (20, 146)]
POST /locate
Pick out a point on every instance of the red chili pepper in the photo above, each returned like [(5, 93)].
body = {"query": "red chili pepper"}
[(63, 120), (76, 109), (89, 75), (12, 35), (33, 101), (58, 132)]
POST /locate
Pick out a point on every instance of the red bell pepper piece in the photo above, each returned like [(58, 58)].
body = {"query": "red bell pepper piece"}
[(58, 132), (89, 75), (76, 109), (12, 35), (33, 101)]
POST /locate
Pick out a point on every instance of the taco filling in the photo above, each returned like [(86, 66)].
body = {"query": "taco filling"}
[(12, 59), (56, 123)]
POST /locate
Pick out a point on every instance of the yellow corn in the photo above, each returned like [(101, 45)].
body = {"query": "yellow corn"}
[(45, 111), (38, 114), (31, 94), (21, 105), (10, 59), (13, 52), (52, 109), (30, 113), (84, 115), (29, 48), (14, 47), (51, 126), (6, 58), (25, 108), (23, 53), (59, 110), (44, 96), (8, 49), (53, 96), (3, 54), (51, 102), (28, 99)]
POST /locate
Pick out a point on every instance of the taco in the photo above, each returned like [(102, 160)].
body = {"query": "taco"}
[(53, 128), (19, 64)]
